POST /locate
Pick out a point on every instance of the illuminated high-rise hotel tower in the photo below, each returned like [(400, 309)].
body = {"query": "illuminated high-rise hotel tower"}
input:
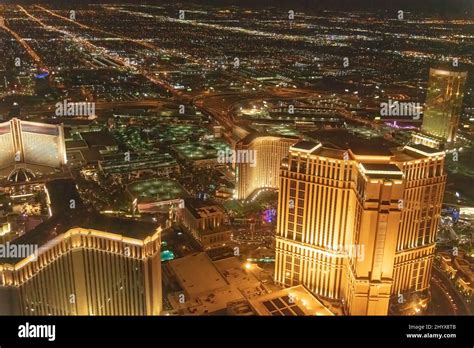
[(106, 266), (264, 173), (444, 103), (30, 144), (357, 222)]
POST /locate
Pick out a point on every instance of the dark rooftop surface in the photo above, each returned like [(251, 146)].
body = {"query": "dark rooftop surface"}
[(76, 144), (423, 148), (388, 167), (345, 140), (102, 138), (61, 192), (194, 204), (126, 227), (92, 155), (381, 171), (305, 145)]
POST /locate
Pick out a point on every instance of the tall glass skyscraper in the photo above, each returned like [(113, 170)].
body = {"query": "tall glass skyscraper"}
[(444, 103)]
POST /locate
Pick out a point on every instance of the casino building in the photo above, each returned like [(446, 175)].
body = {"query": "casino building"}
[(357, 220), (263, 174), (36, 146), (112, 269), (80, 262)]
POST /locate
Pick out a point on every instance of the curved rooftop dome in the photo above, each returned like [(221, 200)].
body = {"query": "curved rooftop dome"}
[(21, 175)]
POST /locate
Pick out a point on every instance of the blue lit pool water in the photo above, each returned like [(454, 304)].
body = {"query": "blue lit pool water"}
[(167, 255)]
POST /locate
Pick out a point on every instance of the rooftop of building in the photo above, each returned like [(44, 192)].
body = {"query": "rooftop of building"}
[(21, 174), (177, 133), (131, 112), (60, 193), (28, 126), (335, 142), (294, 301), (202, 208), (425, 135), (283, 130), (197, 275), (76, 144), (381, 170), (244, 127), (156, 190), (102, 138), (261, 134), (450, 69), (211, 286), (356, 142), (116, 163), (306, 146), (236, 275), (60, 224), (423, 150), (196, 151), (240, 308)]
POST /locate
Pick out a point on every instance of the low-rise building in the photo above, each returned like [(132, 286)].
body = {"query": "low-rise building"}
[(137, 165), (204, 291), (293, 301), (206, 222)]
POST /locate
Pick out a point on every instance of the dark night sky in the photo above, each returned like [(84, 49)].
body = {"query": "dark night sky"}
[(456, 7)]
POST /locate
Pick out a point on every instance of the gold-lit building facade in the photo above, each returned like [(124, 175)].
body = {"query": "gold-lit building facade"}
[(32, 143), (356, 228), (264, 173), (443, 105), (85, 272)]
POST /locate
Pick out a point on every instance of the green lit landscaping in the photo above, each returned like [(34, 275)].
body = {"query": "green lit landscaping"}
[(200, 151), (156, 190), (132, 138), (178, 133), (220, 145), (196, 151), (283, 130)]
